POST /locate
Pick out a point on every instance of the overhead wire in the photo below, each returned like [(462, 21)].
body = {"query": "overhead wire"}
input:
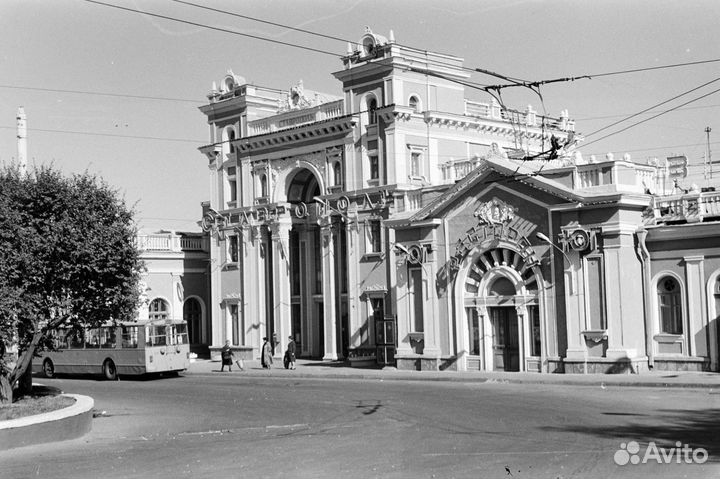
[(652, 117), (652, 107), (84, 92), (514, 82), (210, 27)]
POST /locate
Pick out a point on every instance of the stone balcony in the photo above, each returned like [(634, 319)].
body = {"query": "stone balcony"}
[(172, 242), (692, 207), (294, 118)]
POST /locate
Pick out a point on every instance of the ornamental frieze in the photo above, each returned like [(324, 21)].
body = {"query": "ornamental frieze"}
[(495, 211)]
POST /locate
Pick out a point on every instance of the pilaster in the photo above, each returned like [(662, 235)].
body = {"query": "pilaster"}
[(431, 321), (574, 306), (280, 237), (329, 288), (695, 288)]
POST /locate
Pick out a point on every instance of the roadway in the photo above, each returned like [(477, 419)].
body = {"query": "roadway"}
[(236, 425)]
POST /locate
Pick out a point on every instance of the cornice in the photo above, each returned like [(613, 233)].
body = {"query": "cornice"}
[(323, 129)]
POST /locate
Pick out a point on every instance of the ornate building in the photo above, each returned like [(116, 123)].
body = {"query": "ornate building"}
[(175, 284), (403, 224)]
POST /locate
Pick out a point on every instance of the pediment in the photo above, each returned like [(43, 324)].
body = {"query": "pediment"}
[(496, 174)]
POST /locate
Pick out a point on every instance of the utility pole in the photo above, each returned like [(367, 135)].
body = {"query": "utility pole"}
[(708, 158), (22, 140)]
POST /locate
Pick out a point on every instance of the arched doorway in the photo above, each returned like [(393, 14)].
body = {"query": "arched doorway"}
[(192, 314), (499, 290), (306, 282)]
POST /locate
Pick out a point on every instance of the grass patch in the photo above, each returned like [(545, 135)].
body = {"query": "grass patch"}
[(38, 402)]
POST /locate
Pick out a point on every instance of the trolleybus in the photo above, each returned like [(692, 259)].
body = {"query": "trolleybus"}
[(132, 348)]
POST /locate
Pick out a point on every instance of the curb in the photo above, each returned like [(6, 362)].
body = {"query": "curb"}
[(68, 423), (203, 368), (554, 380)]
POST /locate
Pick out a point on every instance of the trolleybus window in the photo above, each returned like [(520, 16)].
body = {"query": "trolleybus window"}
[(129, 336)]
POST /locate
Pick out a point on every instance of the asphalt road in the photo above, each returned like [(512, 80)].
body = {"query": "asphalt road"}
[(232, 426)]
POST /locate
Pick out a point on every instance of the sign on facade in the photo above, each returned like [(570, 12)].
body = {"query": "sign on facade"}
[(677, 166)]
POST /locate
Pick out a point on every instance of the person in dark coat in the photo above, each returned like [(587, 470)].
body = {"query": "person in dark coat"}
[(291, 353), (226, 355)]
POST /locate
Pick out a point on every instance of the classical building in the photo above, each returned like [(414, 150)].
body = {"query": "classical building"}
[(175, 284), (399, 223)]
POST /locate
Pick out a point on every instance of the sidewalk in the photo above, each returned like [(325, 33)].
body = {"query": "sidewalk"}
[(339, 370)]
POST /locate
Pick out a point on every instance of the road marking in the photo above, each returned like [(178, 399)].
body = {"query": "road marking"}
[(591, 451), (202, 433), (285, 426)]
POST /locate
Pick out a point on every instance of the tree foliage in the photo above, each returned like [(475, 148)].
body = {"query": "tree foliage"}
[(68, 254)]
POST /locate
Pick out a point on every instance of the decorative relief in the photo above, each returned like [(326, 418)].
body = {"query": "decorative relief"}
[(495, 211), (213, 222)]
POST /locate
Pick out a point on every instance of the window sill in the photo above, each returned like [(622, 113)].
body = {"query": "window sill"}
[(378, 256), (229, 267), (374, 182), (668, 338)]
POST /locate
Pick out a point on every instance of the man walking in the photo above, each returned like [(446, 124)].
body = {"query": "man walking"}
[(291, 353)]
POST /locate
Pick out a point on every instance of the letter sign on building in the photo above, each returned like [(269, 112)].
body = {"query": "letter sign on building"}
[(677, 166)]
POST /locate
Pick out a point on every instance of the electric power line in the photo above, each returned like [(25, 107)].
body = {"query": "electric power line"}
[(210, 27), (246, 17), (652, 107), (652, 117), (82, 92), (114, 135)]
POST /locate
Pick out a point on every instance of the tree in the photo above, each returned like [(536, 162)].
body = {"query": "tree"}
[(68, 255)]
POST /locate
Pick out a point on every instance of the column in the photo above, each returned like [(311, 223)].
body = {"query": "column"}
[(355, 318), (249, 256), (398, 297), (329, 287), (524, 333), (487, 338), (280, 237), (697, 320), (574, 306), (623, 292), (431, 320)]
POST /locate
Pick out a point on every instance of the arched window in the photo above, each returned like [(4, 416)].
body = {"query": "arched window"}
[(231, 138), (670, 305), (159, 309), (192, 314), (502, 287), (337, 174), (263, 186), (414, 103), (372, 110)]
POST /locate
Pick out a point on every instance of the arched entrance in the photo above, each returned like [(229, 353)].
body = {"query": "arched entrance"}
[(499, 288), (306, 283)]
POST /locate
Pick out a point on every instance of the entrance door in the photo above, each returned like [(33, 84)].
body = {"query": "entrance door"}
[(506, 350)]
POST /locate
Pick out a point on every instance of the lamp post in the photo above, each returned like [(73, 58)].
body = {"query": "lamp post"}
[(547, 240)]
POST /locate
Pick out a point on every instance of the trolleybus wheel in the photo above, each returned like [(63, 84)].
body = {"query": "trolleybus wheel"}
[(48, 368), (109, 370)]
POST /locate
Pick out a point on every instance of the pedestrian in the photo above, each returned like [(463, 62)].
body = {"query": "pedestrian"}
[(226, 355), (266, 358), (290, 353)]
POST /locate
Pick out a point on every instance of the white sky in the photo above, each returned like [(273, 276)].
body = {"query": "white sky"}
[(75, 45)]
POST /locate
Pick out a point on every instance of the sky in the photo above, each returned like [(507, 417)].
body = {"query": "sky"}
[(116, 93)]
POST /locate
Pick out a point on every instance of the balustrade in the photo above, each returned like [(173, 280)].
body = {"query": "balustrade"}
[(171, 242)]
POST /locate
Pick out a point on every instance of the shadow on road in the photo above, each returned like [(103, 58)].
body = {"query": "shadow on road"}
[(697, 429)]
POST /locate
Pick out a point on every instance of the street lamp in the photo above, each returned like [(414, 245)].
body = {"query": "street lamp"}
[(547, 240)]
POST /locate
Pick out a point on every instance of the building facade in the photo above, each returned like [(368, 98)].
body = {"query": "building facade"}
[(399, 223), (176, 282)]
